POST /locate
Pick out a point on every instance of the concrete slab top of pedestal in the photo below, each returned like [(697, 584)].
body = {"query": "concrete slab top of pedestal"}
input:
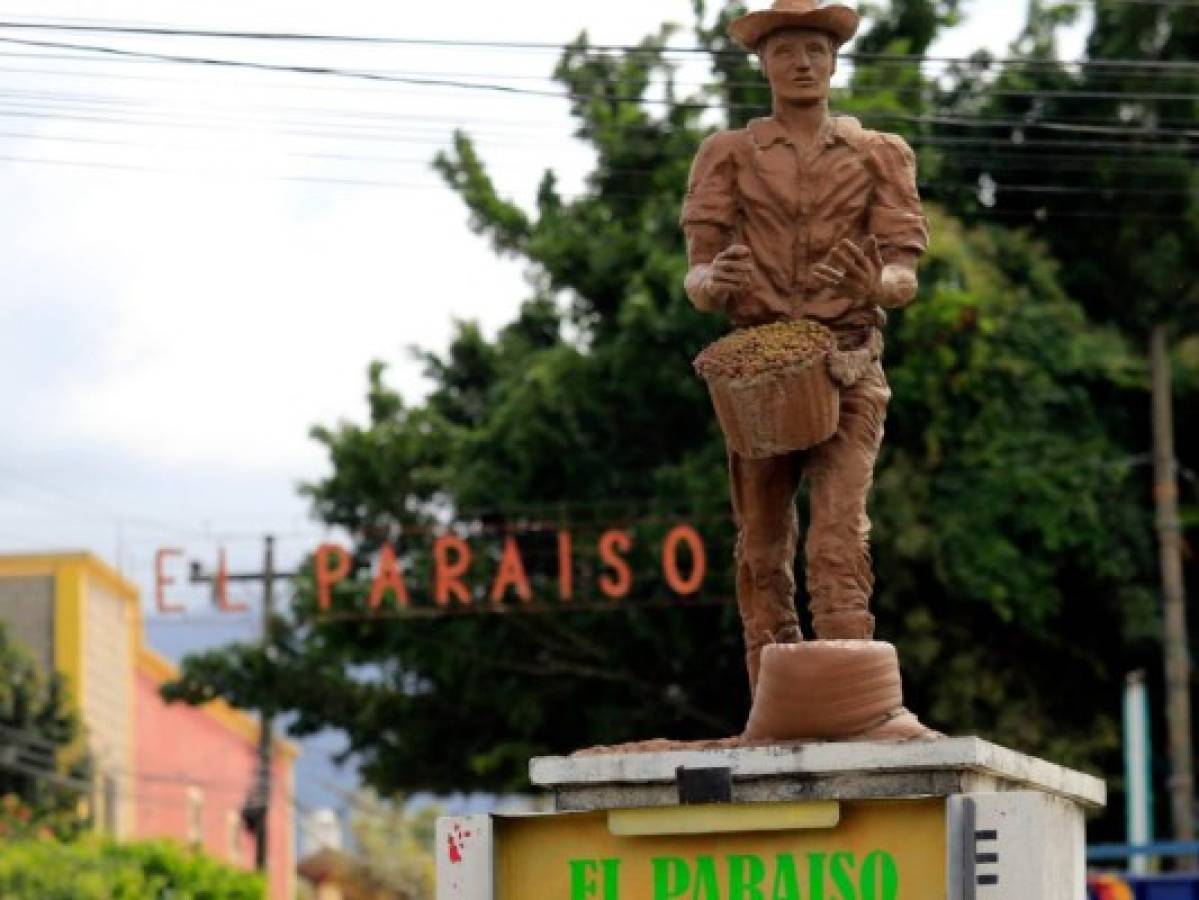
[(966, 755)]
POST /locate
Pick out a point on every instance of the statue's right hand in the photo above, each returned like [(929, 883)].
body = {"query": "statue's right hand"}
[(729, 273)]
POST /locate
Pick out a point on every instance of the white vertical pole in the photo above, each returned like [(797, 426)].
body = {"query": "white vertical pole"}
[(1137, 775), (465, 858)]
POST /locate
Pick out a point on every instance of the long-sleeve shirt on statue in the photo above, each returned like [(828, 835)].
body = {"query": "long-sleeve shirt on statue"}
[(753, 186)]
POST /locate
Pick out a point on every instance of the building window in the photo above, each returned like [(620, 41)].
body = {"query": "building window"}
[(110, 802), (195, 815), (233, 835)]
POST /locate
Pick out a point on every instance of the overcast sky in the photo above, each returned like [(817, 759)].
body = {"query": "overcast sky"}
[(188, 282)]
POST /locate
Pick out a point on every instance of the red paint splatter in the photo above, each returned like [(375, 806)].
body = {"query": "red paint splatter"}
[(455, 849)]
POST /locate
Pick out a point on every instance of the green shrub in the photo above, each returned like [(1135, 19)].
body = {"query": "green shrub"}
[(102, 870)]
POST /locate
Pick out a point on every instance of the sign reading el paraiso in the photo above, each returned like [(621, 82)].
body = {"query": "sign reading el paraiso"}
[(465, 574), (746, 876)]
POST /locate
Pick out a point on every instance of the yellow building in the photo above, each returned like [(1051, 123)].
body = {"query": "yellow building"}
[(79, 617), (160, 770)]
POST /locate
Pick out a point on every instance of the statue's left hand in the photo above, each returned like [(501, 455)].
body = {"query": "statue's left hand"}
[(855, 272)]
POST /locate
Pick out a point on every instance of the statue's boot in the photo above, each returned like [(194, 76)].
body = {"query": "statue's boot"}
[(900, 725), (844, 690)]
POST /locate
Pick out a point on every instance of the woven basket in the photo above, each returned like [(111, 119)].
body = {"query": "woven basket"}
[(777, 412)]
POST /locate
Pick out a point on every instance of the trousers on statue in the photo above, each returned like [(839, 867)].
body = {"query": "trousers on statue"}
[(839, 575)]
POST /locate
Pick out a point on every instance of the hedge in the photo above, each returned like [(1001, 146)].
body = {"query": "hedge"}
[(103, 870)]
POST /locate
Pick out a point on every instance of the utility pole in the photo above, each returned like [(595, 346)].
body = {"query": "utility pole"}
[(256, 809), (1175, 636), (262, 786)]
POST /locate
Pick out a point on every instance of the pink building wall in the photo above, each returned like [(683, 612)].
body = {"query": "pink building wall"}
[(194, 768)]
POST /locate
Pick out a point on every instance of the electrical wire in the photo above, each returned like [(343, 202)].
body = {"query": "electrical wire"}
[(933, 188), (986, 90), (407, 137), (328, 70), (308, 37), (298, 179), (46, 772), (430, 81), (1121, 81), (54, 495), (377, 126), (277, 67), (1169, 4), (1152, 138), (1159, 127), (599, 97)]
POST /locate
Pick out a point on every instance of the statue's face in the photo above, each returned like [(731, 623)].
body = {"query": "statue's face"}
[(799, 64)]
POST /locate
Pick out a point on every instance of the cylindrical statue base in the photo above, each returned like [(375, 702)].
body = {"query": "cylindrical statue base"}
[(831, 691)]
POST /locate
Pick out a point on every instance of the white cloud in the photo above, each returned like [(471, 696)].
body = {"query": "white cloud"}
[(242, 324)]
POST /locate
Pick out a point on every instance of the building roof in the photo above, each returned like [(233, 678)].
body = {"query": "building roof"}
[(160, 669), (15, 565)]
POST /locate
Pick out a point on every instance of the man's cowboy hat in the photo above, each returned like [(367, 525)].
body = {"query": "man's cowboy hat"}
[(839, 21)]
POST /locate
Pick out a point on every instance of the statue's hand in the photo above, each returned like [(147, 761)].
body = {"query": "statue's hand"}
[(729, 273), (854, 272)]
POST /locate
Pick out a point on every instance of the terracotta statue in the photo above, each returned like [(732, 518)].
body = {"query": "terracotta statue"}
[(803, 215)]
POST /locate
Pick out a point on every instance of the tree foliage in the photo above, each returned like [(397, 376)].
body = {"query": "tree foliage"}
[(1013, 539), (394, 839), (38, 777), (1108, 142), (102, 870), (908, 24)]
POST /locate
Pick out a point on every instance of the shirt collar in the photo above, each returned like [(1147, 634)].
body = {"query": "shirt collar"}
[(767, 132)]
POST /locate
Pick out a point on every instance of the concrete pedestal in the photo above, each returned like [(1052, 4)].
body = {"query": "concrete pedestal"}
[(956, 819)]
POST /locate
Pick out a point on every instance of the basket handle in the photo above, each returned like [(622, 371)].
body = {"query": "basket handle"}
[(846, 367)]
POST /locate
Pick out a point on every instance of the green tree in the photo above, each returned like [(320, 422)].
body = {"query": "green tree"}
[(1105, 146), (908, 24), (1011, 544), (394, 839), (43, 772)]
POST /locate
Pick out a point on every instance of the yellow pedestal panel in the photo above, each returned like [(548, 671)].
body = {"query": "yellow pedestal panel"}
[(879, 850)]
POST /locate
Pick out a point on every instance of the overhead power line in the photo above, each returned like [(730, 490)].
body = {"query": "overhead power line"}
[(510, 89), (123, 167), (1003, 147), (278, 67), (984, 92), (39, 106), (1169, 4), (995, 162), (1118, 80), (941, 186), (54, 495), (1098, 213), (308, 37), (1088, 190), (350, 122)]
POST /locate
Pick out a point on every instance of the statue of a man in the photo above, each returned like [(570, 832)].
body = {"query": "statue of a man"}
[(805, 215)]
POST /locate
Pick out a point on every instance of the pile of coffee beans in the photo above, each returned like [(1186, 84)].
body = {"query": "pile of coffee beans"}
[(754, 351)]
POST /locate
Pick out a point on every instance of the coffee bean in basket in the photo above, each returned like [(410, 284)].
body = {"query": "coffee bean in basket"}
[(771, 387)]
